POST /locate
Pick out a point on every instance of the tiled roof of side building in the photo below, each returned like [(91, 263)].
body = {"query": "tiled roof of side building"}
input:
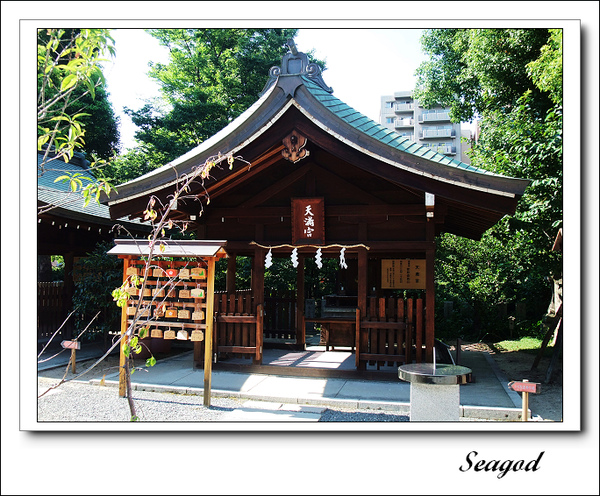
[(377, 131), (60, 194)]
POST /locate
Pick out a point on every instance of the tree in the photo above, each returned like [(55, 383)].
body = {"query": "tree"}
[(511, 79), (70, 92), (213, 76), (101, 125)]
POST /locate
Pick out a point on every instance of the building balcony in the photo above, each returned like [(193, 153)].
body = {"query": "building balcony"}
[(404, 107), (435, 117), (400, 123), (437, 133), (446, 150)]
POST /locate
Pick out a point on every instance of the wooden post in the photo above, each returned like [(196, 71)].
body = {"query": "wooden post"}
[(362, 302), (430, 291), (208, 339), (300, 325), (68, 291), (73, 359), (231, 269), (122, 385), (259, 334)]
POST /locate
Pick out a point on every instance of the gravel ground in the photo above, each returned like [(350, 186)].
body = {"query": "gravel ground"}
[(84, 402)]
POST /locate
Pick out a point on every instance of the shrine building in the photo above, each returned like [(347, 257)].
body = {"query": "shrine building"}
[(314, 178)]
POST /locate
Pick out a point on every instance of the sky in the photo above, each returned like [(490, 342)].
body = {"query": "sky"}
[(384, 59)]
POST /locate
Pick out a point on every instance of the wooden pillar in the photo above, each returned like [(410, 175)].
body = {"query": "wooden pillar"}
[(231, 269), (208, 338), (258, 277), (300, 325), (258, 293), (430, 291), (363, 261), (68, 291), (122, 384)]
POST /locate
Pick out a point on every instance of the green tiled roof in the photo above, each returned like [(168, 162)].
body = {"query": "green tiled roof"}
[(59, 193), (377, 131)]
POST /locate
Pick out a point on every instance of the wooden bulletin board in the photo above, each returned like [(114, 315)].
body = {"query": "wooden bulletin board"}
[(404, 273)]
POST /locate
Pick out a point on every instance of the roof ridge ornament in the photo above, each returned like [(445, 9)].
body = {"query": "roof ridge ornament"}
[(295, 63)]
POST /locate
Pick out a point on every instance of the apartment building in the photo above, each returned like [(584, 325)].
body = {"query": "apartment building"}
[(428, 127)]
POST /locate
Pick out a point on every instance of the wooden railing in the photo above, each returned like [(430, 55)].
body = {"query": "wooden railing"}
[(239, 329), (390, 332), (280, 315)]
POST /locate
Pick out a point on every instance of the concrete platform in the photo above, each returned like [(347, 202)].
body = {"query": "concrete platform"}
[(487, 398)]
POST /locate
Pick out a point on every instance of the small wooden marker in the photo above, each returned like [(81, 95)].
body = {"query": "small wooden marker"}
[(72, 345), (525, 387)]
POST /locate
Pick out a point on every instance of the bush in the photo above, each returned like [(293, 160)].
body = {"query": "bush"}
[(100, 273)]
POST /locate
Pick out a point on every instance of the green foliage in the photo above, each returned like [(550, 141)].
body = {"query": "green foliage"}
[(68, 69), (73, 111), (100, 124), (58, 267), (213, 76), (98, 273), (512, 80), (546, 71), (479, 276), (473, 71)]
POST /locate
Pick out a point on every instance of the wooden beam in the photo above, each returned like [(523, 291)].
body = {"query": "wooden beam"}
[(358, 192), (225, 184), (277, 187), (246, 211)]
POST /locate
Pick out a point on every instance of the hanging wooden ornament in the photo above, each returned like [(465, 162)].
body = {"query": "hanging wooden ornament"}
[(131, 271), (182, 334), (198, 273), (197, 335), (184, 293), (171, 313), (198, 314), (197, 292), (159, 311), (157, 272), (158, 290), (172, 272), (183, 314), (184, 273), (169, 334), (156, 333)]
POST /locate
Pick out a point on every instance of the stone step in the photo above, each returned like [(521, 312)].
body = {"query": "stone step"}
[(261, 411)]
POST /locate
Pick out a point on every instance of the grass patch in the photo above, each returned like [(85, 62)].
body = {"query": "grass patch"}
[(527, 344)]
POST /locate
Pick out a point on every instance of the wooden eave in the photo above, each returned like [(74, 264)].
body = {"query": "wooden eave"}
[(474, 201)]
